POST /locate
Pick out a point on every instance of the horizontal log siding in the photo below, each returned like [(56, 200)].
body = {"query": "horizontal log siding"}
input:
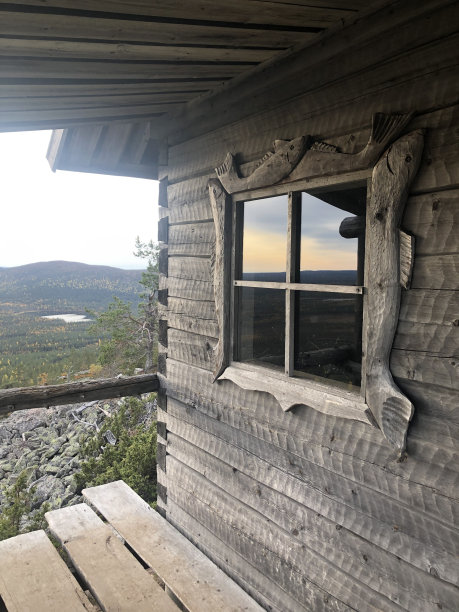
[(304, 510)]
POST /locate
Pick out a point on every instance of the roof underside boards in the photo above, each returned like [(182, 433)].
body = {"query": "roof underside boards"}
[(65, 63)]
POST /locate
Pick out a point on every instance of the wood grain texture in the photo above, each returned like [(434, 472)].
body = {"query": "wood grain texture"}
[(221, 263), (49, 585), (250, 577), (336, 478), (193, 308), (194, 580), (25, 398), (327, 64), (257, 12), (194, 239), (376, 568), (289, 476), (190, 289), (391, 181), (252, 536), (191, 268), (116, 578), (191, 348), (93, 28), (250, 411)]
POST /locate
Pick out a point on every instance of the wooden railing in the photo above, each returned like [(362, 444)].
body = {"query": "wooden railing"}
[(72, 393)]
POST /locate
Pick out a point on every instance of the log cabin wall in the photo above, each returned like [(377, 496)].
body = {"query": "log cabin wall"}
[(304, 510)]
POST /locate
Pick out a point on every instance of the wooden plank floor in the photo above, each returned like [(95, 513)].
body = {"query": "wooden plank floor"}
[(116, 578), (135, 562), (193, 579), (34, 578)]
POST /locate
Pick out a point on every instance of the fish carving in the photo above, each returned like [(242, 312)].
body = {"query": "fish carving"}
[(273, 167), (389, 267), (304, 157)]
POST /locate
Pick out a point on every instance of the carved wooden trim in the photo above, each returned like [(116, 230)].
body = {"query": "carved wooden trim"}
[(221, 263), (305, 157), (392, 177), (291, 391), (386, 270)]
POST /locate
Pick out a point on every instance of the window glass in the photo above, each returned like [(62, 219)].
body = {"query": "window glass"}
[(328, 336), (326, 257), (265, 239), (262, 325)]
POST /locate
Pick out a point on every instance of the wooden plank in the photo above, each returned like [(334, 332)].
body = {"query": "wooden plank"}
[(249, 576), (301, 286), (313, 14), (434, 400), (116, 579), (249, 411), (291, 564), (74, 49), (192, 324), (352, 451), (190, 288), (71, 393), (193, 308), (399, 582), (336, 477), (191, 348), (271, 467), (191, 239), (191, 211), (435, 271), (48, 584), (435, 340), (180, 565), (374, 46), (190, 268), (422, 367), (19, 68), (40, 103), (74, 27)]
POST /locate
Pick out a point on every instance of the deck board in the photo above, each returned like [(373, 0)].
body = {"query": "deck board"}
[(116, 578), (34, 578), (195, 581)]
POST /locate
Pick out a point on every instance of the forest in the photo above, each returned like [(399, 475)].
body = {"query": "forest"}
[(35, 350)]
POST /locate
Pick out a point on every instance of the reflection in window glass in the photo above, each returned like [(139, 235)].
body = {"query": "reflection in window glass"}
[(265, 239), (262, 325), (328, 342), (326, 257)]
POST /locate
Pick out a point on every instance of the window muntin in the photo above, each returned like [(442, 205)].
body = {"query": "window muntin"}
[(313, 310)]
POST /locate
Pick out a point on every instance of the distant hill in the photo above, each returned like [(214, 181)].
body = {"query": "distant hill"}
[(56, 287)]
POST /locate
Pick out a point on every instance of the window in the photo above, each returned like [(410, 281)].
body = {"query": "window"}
[(298, 284), (308, 331)]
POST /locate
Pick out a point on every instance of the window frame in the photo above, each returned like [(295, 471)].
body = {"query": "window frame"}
[(392, 161), (291, 285)]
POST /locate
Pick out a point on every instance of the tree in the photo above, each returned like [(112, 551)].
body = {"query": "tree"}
[(129, 338)]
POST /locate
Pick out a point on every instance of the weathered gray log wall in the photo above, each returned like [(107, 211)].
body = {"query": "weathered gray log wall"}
[(307, 511)]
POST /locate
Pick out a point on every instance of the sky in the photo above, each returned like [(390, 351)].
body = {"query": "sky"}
[(72, 216), (322, 247)]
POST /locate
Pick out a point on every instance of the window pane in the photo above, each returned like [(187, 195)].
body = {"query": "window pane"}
[(265, 239), (326, 257), (328, 341), (262, 325)]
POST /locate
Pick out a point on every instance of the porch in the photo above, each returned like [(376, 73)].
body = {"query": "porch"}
[(130, 559)]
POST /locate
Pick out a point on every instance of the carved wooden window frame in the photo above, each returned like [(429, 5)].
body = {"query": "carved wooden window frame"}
[(302, 164)]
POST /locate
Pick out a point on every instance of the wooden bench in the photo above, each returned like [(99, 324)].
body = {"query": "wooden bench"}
[(136, 561)]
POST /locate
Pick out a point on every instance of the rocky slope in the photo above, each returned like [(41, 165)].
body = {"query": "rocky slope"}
[(46, 442)]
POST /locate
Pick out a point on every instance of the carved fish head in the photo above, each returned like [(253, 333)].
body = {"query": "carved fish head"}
[(296, 146), (407, 151)]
